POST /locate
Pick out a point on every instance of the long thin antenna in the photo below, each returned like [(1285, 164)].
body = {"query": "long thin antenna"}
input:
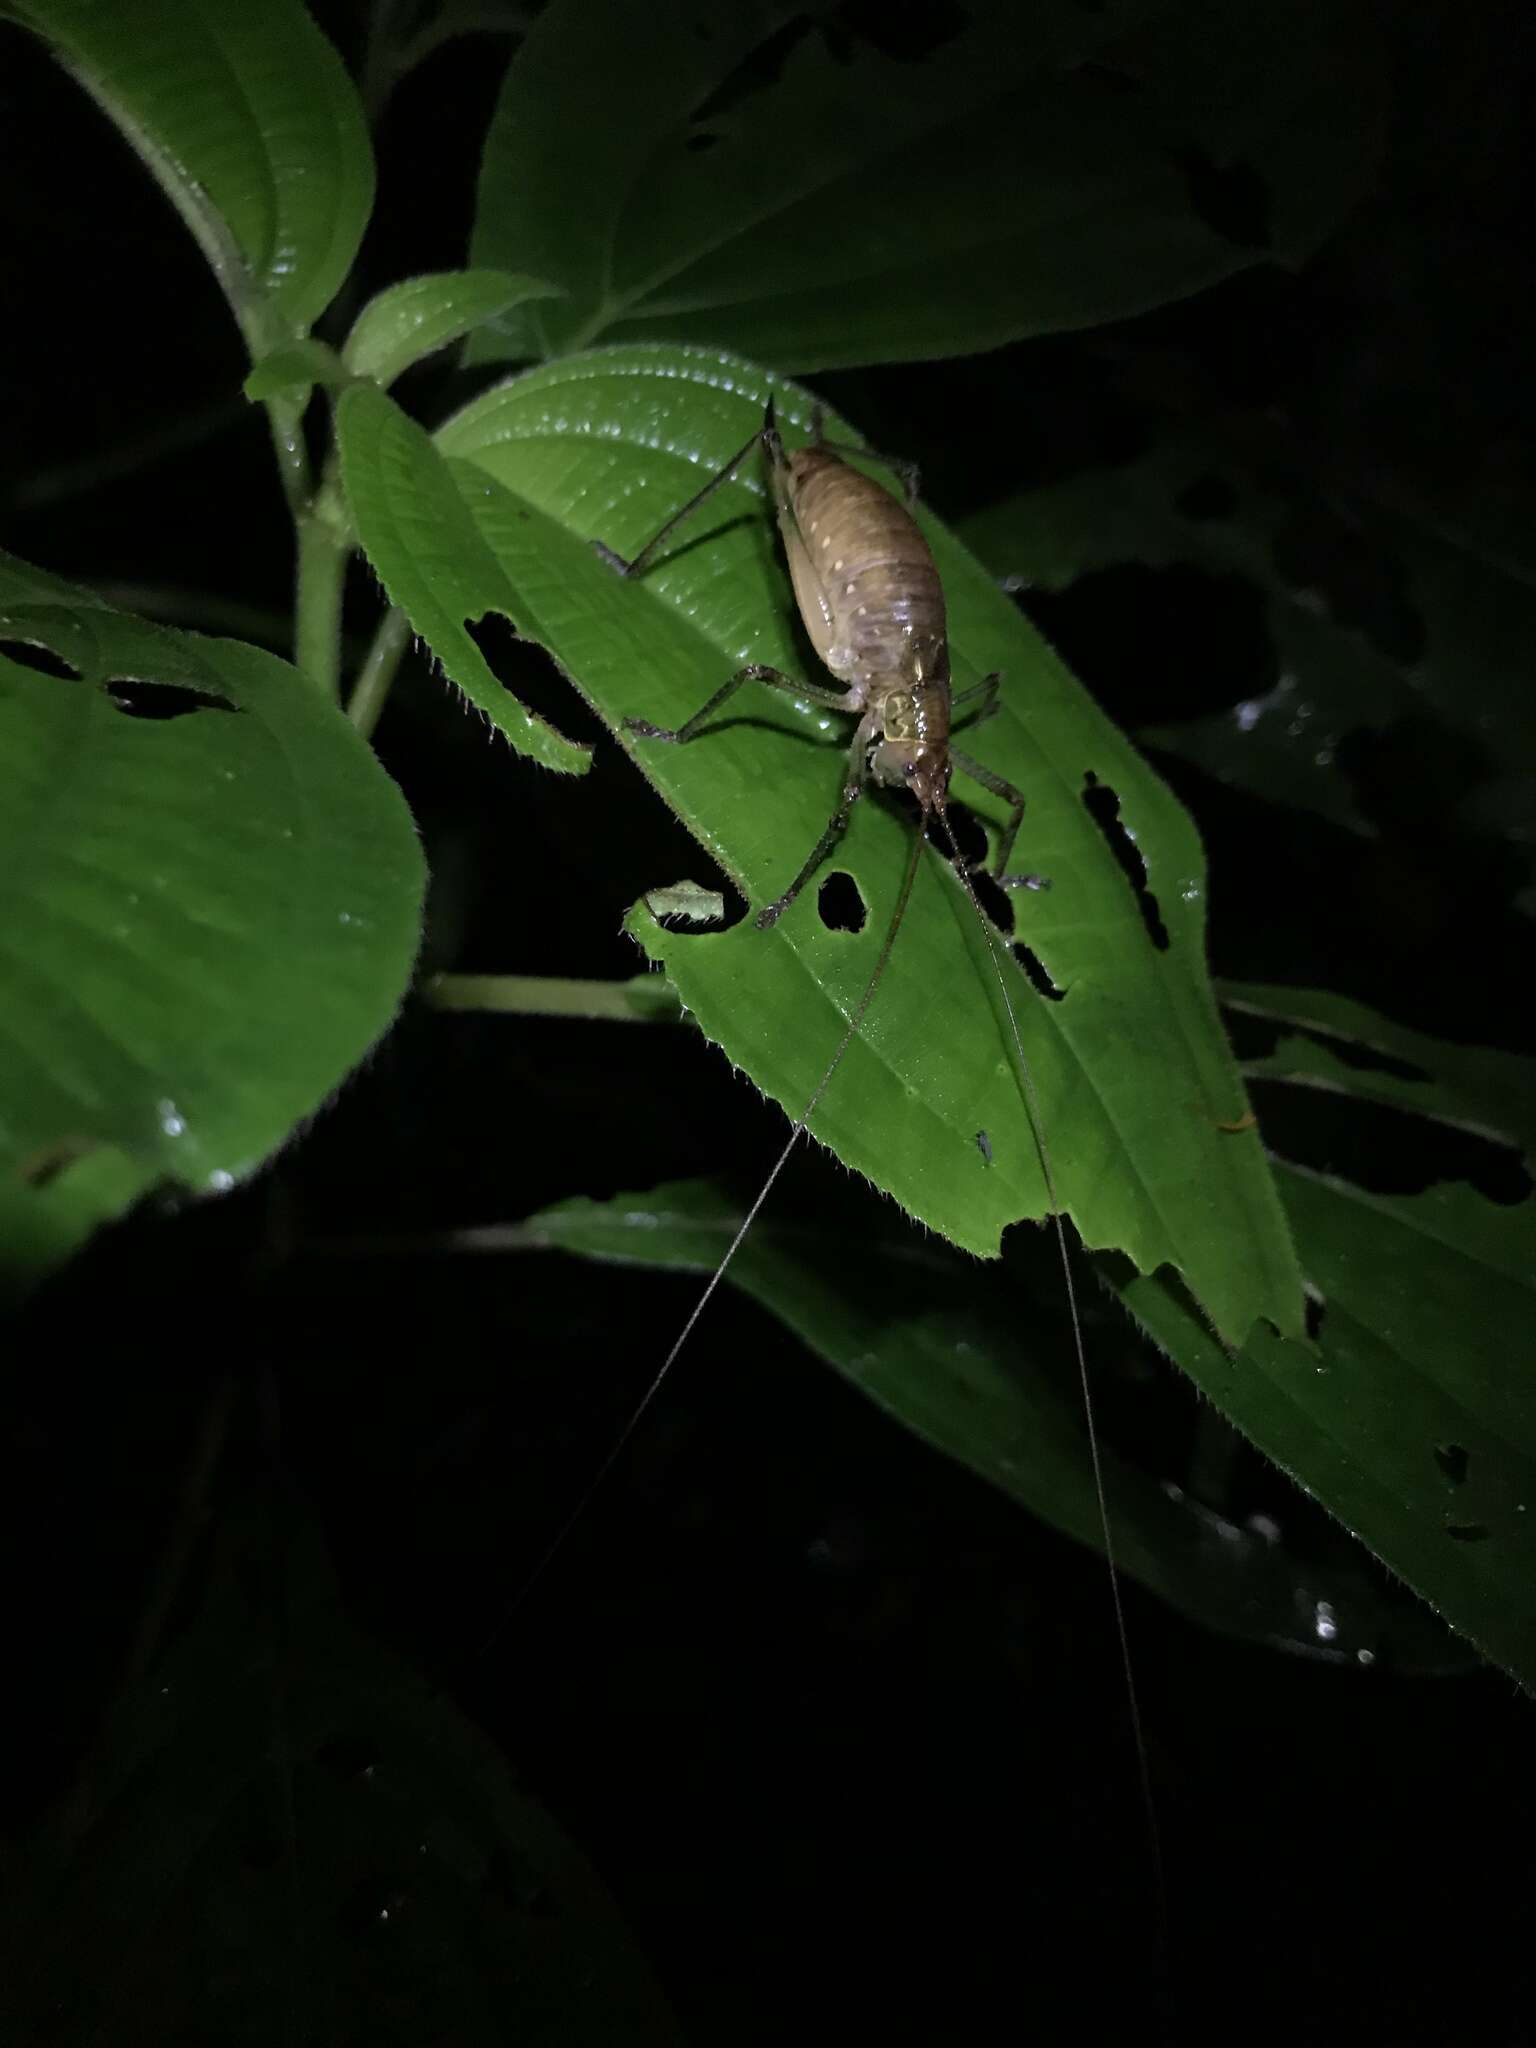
[(637, 1416), (1037, 1126)]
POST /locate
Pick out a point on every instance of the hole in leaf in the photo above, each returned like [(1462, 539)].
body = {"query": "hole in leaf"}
[(1231, 199), (1367, 1059), (1467, 1532), (1316, 1311), (1453, 1462), (759, 71), (1035, 968), (34, 655), (995, 901), (138, 699), (967, 834), (1103, 806), (841, 906), (1208, 497), (1255, 1037), (533, 677)]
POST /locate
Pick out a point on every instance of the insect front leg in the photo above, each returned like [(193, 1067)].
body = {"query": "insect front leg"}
[(990, 779), (837, 824)]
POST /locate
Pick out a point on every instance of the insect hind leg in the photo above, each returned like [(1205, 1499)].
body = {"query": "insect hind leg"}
[(638, 564)]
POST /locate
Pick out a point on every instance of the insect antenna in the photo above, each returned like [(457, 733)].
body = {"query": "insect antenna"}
[(638, 1413), (1037, 1127)]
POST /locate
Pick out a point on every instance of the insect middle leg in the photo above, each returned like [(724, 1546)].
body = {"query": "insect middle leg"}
[(837, 824), (990, 779), (853, 780), (754, 672)]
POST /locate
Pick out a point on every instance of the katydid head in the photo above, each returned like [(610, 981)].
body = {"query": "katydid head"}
[(916, 765)]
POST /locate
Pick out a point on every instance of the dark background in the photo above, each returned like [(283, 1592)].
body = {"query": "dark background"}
[(845, 1733)]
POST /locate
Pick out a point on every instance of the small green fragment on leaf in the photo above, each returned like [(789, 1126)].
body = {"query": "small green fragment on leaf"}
[(688, 901)]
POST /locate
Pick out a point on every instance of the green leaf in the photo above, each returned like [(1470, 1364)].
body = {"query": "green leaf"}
[(243, 112), (296, 367), (283, 1830), (949, 1351), (1411, 1417), (21, 584), (1476, 1087), (820, 199), (411, 319), (210, 914), (1133, 1072), (429, 555)]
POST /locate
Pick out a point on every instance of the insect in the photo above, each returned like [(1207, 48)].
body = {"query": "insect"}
[(872, 603)]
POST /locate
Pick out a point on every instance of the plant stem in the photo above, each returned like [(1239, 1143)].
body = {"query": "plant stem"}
[(378, 671), (322, 562), (646, 999)]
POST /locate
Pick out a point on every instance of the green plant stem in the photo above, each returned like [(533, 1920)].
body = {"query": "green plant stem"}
[(322, 553), (285, 417), (646, 999), (378, 671)]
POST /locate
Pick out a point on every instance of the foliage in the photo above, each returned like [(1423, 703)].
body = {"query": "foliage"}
[(215, 891)]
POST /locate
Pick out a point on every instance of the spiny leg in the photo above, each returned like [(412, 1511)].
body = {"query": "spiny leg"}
[(642, 561), (837, 824), (754, 672), (990, 779)]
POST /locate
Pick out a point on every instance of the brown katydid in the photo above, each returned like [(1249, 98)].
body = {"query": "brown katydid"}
[(872, 603)]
